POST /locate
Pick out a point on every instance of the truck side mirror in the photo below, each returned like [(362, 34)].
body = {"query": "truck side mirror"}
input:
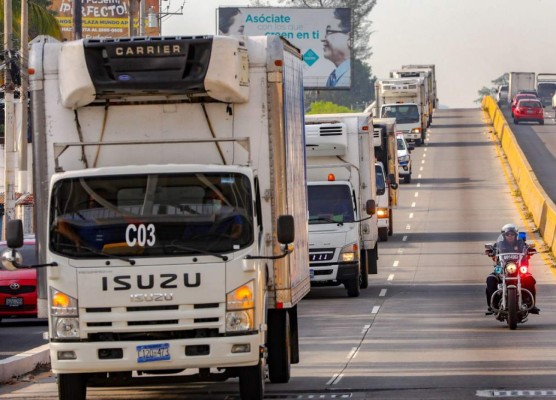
[(370, 207), (285, 229), (392, 180), (14, 234), (380, 191)]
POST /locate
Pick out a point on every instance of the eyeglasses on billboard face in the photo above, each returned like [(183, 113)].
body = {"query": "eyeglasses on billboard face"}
[(330, 31)]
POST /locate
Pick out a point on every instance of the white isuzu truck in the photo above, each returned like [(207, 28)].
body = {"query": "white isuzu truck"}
[(343, 228), (170, 173)]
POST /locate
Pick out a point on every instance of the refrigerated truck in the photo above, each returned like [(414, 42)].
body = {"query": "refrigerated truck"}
[(343, 226), (153, 278)]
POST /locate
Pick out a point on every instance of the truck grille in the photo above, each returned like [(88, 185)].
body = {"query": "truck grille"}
[(316, 255)]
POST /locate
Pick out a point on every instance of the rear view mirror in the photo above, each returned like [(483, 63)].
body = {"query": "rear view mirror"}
[(370, 207), (285, 229), (380, 191), (14, 234), (392, 180)]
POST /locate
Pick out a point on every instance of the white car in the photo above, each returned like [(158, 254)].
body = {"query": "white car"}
[(502, 94), (404, 158)]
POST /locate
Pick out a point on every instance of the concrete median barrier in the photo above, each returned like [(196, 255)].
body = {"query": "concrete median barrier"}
[(23, 363), (541, 207)]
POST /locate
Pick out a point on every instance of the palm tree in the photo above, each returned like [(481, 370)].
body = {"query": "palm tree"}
[(41, 19)]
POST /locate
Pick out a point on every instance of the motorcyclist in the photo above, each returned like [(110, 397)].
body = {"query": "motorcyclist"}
[(509, 242)]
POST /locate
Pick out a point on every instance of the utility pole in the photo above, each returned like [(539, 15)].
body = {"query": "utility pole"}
[(9, 123), (24, 86)]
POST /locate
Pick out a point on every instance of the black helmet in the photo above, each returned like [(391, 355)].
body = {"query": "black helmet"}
[(509, 228)]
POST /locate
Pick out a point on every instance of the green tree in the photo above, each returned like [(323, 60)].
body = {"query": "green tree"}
[(491, 91), (327, 107), (41, 20)]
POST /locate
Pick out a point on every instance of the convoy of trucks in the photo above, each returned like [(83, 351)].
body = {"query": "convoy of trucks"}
[(343, 230), (153, 278), (185, 205)]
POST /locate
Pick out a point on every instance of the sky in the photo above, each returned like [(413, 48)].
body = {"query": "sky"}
[(471, 42)]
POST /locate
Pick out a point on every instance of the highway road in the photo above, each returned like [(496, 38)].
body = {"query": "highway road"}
[(419, 331)]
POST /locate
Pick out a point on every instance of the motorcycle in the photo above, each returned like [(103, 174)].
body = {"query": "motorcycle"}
[(511, 302)]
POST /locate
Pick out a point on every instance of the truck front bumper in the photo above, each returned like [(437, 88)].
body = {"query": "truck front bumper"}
[(333, 272), (182, 354)]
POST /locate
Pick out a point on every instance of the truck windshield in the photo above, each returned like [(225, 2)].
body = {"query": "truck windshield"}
[(404, 113), (151, 215), (546, 89), (330, 204)]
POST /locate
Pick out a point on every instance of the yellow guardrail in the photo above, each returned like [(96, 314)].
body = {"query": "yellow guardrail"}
[(541, 207)]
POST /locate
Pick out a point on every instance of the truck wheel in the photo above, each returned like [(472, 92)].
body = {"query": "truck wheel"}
[(353, 288), (390, 224), (516, 121), (372, 257), (418, 142), (407, 178), (383, 234), (251, 382), (72, 386), (363, 266), (541, 122), (279, 349)]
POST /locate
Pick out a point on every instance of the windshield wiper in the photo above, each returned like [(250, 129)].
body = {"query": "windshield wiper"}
[(101, 253), (187, 248), (326, 219)]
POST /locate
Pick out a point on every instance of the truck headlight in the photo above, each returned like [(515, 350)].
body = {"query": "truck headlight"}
[(382, 213), (349, 253), (416, 130), (65, 315), (403, 158), (240, 303)]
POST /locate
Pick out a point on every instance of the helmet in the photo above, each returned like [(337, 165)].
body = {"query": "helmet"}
[(509, 228)]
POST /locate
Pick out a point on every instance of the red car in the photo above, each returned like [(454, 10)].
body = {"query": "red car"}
[(529, 110), (18, 289), (520, 96)]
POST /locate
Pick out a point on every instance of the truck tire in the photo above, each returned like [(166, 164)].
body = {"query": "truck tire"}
[(372, 260), (353, 288), (390, 223), (407, 178), (279, 346), (363, 266), (72, 386), (251, 382), (383, 234)]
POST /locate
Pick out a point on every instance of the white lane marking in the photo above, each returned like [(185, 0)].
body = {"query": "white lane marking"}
[(339, 379), (390, 277), (400, 251), (410, 215), (426, 149), (413, 204), (381, 294), (422, 161), (416, 194), (419, 176), (407, 227), (419, 185), (332, 379), (515, 393), (365, 328), (424, 154), (396, 263), (421, 168), (352, 353), (376, 308), (404, 238)]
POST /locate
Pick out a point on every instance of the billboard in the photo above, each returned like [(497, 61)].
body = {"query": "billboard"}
[(100, 18), (322, 34)]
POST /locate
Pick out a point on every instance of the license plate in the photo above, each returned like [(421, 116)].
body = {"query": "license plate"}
[(529, 111), (14, 302), (312, 273), (153, 352)]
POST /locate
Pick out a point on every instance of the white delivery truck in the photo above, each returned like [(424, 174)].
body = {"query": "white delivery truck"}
[(520, 81), (387, 177), (169, 174), (546, 87), (432, 68), (403, 99), (426, 74), (343, 230)]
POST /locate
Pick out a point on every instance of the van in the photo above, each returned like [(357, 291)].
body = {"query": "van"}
[(404, 158), (384, 207)]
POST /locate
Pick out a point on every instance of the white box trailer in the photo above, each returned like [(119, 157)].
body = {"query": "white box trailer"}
[(520, 81), (181, 142), (343, 226), (426, 74), (432, 68)]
